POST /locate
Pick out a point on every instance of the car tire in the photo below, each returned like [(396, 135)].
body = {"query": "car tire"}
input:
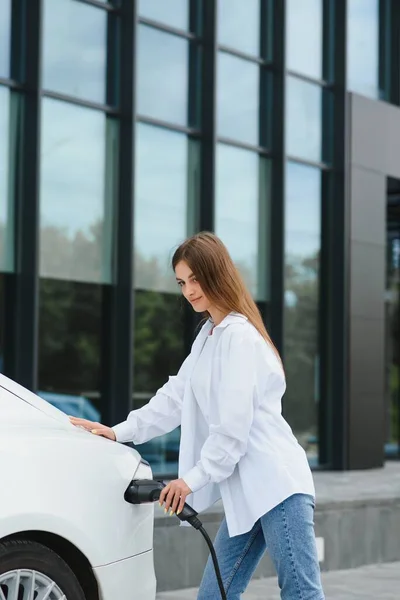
[(25, 554)]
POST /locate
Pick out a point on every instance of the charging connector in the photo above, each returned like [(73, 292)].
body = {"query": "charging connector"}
[(143, 491)]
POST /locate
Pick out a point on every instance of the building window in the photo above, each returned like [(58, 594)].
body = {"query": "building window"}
[(242, 213), (166, 207), (78, 168), (363, 47), (304, 120), (163, 76), (159, 352), (2, 321), (304, 37), (5, 37), (239, 25), (238, 99), (9, 125), (167, 180), (167, 184), (75, 49), (301, 309), (70, 346)]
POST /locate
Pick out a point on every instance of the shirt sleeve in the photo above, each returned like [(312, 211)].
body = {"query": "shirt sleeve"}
[(233, 412), (161, 415)]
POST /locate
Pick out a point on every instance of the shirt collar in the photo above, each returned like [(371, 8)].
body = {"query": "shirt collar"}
[(233, 317)]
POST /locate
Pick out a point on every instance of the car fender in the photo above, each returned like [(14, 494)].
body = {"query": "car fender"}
[(72, 484)]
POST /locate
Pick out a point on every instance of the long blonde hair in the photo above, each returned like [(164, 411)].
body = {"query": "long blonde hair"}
[(219, 278)]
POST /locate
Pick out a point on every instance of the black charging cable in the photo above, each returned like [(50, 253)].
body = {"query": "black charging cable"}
[(142, 491), (215, 561)]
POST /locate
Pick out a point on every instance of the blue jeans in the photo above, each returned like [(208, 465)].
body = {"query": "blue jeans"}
[(287, 533)]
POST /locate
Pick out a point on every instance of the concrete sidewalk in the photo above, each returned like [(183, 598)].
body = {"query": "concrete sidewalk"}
[(375, 582)]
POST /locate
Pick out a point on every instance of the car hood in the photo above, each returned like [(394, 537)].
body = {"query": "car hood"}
[(63, 480), (20, 407)]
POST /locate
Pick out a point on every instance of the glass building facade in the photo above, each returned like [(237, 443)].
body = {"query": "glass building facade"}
[(126, 126)]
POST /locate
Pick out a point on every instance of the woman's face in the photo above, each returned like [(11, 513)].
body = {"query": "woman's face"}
[(191, 288)]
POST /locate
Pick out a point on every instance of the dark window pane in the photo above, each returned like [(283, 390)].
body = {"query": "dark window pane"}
[(304, 37), (173, 12), (9, 116), (7, 323), (2, 321), (238, 99), (363, 47), (301, 311), (167, 176), (242, 213), (239, 25), (159, 352), (75, 49), (78, 167), (163, 76), (5, 36), (304, 120), (392, 323), (70, 346)]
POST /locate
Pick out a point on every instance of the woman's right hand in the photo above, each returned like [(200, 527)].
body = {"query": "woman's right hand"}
[(95, 428)]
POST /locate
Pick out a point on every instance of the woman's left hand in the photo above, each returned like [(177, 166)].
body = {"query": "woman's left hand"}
[(174, 495)]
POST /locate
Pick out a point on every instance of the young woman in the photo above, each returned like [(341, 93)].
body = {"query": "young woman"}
[(235, 443)]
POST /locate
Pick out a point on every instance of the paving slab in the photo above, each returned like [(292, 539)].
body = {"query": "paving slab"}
[(373, 582)]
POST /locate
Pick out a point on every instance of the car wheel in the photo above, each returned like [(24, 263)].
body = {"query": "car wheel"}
[(30, 570)]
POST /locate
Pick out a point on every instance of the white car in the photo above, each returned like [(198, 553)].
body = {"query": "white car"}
[(66, 532)]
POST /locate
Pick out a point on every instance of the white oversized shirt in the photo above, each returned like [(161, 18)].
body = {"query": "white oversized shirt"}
[(235, 444), (200, 380)]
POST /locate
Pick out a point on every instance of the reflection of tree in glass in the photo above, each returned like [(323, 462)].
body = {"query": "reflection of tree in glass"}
[(301, 344), (153, 274), (159, 341), (78, 256), (394, 361), (248, 275), (70, 318), (69, 336)]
